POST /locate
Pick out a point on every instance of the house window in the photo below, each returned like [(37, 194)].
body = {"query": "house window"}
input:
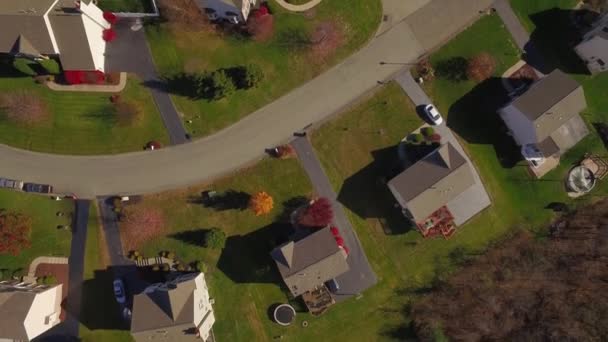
[(232, 17), (211, 13)]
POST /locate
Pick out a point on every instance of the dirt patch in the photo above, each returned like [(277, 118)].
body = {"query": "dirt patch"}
[(325, 38), (60, 272), (139, 224)]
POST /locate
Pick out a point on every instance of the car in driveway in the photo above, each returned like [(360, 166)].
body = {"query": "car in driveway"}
[(39, 188), (11, 184), (433, 114), (119, 291)]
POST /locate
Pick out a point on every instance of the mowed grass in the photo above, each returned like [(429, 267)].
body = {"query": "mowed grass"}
[(406, 263), (45, 238), (82, 123), (284, 68), (238, 277), (135, 6), (100, 319)]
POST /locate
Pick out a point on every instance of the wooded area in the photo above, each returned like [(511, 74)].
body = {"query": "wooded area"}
[(529, 288)]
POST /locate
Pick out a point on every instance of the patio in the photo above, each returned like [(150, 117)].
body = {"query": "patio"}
[(318, 301)]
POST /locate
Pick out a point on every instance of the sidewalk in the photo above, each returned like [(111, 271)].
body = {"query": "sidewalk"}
[(360, 276)]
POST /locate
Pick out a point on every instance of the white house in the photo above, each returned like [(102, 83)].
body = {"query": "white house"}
[(28, 310), (71, 30), (593, 49), (545, 122), (179, 310), (234, 11)]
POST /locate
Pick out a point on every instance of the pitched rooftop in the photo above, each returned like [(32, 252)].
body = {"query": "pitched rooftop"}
[(432, 182)]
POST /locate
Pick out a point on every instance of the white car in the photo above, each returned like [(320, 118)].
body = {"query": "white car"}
[(433, 114), (119, 291)]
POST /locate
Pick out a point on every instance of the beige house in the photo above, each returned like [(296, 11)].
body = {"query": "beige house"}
[(593, 49), (305, 265), (424, 189), (234, 11), (28, 310), (179, 310), (545, 122), (68, 29)]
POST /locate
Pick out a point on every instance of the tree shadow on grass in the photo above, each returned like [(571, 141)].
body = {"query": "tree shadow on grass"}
[(227, 200), (367, 195), (246, 258), (475, 118), (555, 37), (195, 237)]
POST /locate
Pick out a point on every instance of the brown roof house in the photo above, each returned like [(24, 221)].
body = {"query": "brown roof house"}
[(593, 48), (424, 189), (28, 310), (306, 264), (234, 11), (179, 310), (68, 29), (545, 120)]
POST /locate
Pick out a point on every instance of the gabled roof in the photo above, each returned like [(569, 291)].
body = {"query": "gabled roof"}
[(23, 46), (168, 305), (311, 261), (432, 181), (73, 43)]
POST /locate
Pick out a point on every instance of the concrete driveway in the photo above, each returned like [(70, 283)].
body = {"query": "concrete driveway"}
[(245, 141), (129, 52)]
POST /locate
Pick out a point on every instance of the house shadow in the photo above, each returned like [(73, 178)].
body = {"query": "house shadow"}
[(99, 309), (366, 193), (474, 117), (552, 42), (246, 258)]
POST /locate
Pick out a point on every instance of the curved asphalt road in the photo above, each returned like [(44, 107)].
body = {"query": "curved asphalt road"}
[(415, 27)]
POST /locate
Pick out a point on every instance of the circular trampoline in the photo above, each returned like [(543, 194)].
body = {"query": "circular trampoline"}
[(284, 314), (580, 180)]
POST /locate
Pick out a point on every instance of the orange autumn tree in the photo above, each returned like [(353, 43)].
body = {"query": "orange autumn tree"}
[(261, 203)]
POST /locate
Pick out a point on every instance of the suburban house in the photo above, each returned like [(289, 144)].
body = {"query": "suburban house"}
[(545, 122), (424, 189), (28, 310), (234, 11), (593, 49), (73, 31), (179, 310), (308, 263)]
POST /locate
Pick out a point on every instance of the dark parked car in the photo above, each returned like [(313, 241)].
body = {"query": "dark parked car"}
[(11, 184), (39, 188)]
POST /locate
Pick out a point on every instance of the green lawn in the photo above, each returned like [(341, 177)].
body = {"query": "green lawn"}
[(82, 123), (45, 238), (284, 68), (99, 313), (367, 134), (134, 6)]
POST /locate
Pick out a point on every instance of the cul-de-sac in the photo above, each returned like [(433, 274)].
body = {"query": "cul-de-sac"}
[(303, 170)]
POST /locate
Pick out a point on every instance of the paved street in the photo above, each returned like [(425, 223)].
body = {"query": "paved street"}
[(130, 52), (360, 276), (245, 141), (476, 198)]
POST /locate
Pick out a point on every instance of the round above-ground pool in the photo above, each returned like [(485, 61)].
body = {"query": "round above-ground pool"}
[(284, 314), (580, 180)]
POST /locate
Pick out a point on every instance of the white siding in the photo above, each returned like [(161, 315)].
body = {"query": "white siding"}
[(202, 307), (520, 126), (591, 51), (96, 42), (50, 29), (45, 304)]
